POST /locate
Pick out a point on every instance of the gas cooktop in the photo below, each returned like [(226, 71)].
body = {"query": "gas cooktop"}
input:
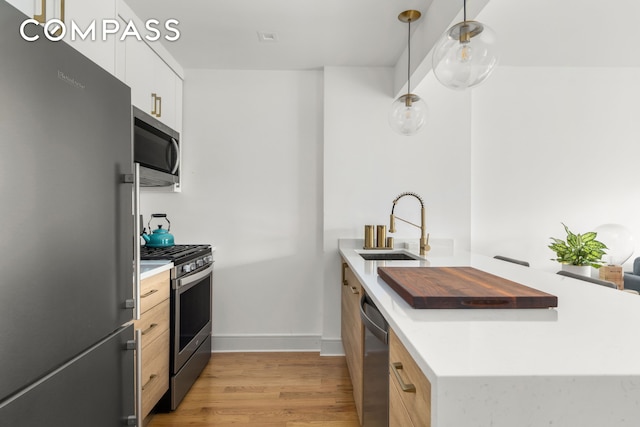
[(173, 253)]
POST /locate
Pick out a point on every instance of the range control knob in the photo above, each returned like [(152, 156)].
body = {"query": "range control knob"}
[(186, 268), (200, 263)]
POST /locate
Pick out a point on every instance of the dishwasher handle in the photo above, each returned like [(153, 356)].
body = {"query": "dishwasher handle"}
[(379, 331)]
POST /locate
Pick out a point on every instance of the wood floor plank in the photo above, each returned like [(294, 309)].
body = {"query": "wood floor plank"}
[(267, 390)]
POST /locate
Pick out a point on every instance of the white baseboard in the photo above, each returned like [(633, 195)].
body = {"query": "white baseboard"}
[(273, 343), (331, 347)]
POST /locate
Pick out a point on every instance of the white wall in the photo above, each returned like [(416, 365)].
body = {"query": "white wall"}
[(279, 165), (553, 145), (252, 147), (366, 165)]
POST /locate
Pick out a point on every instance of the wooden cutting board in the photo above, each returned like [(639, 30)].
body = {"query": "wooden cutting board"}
[(461, 287)]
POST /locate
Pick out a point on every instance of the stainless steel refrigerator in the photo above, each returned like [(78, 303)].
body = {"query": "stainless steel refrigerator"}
[(66, 240)]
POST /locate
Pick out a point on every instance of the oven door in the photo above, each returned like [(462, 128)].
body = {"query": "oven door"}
[(192, 314)]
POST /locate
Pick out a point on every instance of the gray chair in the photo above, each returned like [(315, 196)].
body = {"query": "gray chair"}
[(632, 278), (588, 279), (515, 261)]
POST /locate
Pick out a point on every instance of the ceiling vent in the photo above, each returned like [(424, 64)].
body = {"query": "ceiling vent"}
[(267, 37)]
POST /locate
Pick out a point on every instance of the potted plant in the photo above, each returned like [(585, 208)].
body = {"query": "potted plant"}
[(579, 252)]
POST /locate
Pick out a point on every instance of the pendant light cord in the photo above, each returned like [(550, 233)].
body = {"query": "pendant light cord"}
[(409, 58), (465, 10)]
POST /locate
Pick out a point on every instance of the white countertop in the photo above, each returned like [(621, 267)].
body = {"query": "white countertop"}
[(150, 268), (575, 365)]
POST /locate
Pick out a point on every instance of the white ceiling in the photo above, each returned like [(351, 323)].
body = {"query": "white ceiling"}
[(311, 34), (579, 33)]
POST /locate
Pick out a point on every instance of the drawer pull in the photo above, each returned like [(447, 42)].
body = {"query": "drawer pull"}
[(408, 388), (151, 378), (354, 290), (151, 292), (153, 325), (345, 282)]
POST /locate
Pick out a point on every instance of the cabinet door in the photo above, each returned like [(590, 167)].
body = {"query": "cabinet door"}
[(165, 89), (25, 6), (95, 389), (353, 333), (85, 13), (155, 371), (154, 290), (153, 83), (398, 414), (409, 384), (139, 73)]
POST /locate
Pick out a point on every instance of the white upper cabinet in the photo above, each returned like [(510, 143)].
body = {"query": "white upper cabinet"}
[(146, 66), (87, 16), (25, 6), (91, 14), (154, 85)]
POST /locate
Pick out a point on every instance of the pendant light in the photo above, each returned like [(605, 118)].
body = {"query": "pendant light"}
[(409, 112), (465, 55)]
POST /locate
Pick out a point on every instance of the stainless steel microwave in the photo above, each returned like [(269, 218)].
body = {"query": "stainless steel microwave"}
[(157, 148)]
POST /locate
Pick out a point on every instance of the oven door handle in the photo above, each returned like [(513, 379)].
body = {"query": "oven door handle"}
[(192, 279)]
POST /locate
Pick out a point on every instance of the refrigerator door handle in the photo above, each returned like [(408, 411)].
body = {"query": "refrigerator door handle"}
[(136, 238), (134, 179)]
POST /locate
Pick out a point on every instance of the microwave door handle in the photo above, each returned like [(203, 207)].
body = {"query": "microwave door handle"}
[(177, 164)]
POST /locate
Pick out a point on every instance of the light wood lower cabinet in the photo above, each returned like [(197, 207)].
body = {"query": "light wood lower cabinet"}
[(409, 389), (154, 327), (353, 333)]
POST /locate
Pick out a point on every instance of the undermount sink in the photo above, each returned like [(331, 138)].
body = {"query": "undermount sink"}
[(388, 256)]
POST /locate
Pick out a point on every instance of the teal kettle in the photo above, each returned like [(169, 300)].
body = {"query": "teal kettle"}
[(159, 238)]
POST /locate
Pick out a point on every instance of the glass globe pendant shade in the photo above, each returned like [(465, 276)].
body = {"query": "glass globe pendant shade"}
[(619, 241), (408, 114), (465, 55)]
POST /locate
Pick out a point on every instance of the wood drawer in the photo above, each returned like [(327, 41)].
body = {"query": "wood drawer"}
[(352, 332), (398, 415), (404, 370), (153, 322), (155, 372), (154, 290)]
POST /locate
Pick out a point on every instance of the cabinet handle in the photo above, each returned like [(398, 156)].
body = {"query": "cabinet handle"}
[(157, 105), (151, 292), (354, 290), (345, 282), (42, 17), (408, 388), (151, 378), (153, 325)]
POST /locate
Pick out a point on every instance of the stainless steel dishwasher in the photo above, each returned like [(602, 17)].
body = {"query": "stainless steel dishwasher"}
[(375, 411)]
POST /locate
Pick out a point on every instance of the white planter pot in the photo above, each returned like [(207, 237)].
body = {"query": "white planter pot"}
[(583, 270)]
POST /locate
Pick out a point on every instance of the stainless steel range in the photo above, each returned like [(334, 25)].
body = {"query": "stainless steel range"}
[(191, 289)]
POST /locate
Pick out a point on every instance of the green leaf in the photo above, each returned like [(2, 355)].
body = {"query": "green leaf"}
[(579, 249)]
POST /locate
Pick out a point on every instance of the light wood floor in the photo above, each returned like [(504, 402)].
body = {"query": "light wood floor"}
[(269, 390)]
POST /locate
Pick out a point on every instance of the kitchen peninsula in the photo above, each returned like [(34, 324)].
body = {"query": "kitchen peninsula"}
[(574, 365)]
